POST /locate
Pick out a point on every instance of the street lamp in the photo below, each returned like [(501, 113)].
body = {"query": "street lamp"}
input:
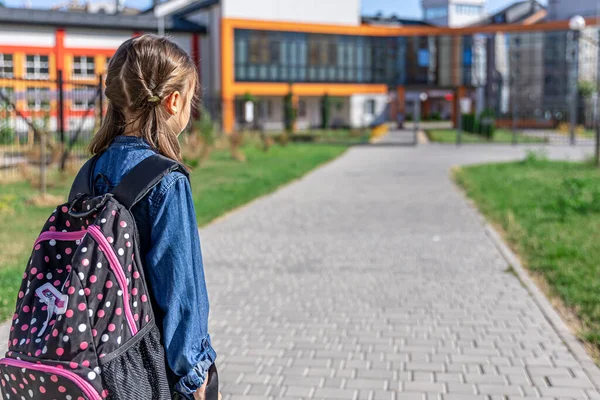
[(422, 98), (576, 25)]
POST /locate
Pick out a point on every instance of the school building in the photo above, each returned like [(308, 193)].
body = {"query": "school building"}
[(521, 60)]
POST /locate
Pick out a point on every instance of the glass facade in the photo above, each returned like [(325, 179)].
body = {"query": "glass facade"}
[(530, 75), (300, 57), (267, 56)]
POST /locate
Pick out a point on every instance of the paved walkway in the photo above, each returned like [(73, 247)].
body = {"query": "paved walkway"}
[(371, 278)]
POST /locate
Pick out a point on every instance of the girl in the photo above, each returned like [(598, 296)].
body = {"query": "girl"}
[(150, 86)]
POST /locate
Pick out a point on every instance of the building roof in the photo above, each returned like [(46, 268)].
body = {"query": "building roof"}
[(141, 22), (392, 21), (520, 12), (189, 8)]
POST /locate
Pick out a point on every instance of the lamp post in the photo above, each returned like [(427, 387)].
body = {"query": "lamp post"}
[(576, 25), (422, 98)]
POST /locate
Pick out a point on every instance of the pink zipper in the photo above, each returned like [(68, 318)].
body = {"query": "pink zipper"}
[(63, 236), (115, 265), (84, 385)]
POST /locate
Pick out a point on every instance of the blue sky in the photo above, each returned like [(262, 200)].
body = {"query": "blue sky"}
[(402, 8)]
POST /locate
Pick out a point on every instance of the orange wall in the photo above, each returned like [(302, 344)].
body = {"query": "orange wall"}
[(230, 88)]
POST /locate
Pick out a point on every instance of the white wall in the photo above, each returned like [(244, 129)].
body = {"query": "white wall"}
[(183, 40), (27, 36), (358, 117), (95, 38), (342, 12), (210, 50), (454, 18)]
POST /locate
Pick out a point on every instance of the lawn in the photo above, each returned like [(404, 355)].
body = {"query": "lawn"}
[(500, 136), (550, 214), (322, 136), (220, 185)]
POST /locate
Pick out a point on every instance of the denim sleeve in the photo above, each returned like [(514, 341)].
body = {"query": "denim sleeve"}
[(176, 275)]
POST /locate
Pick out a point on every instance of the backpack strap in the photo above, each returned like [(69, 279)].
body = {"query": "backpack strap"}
[(144, 177), (83, 181)]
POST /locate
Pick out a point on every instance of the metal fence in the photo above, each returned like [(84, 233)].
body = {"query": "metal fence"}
[(47, 120), (533, 86)]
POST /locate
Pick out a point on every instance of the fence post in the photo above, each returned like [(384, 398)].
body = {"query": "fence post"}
[(573, 75), (61, 106), (597, 143), (100, 97), (459, 117), (43, 138)]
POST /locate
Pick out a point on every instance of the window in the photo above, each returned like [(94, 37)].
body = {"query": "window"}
[(83, 66), (436, 12), (370, 107), (7, 98), (81, 99), (265, 109), (423, 58), (38, 99), (6, 65), (467, 9), (259, 48), (302, 108), (36, 66), (322, 51), (274, 52)]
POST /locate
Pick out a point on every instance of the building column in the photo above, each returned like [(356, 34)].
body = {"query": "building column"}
[(459, 93), (400, 109), (228, 105), (426, 108)]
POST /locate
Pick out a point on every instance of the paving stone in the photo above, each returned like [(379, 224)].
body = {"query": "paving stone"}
[(374, 269)]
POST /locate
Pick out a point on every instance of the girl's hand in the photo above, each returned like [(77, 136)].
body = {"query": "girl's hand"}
[(201, 392)]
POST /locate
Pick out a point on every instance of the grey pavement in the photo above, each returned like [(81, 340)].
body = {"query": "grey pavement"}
[(371, 278)]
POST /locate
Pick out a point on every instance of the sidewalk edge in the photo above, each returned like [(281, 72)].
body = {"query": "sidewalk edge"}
[(558, 324)]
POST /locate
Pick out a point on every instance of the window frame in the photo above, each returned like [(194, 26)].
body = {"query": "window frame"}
[(5, 64), (370, 107), (84, 61), (10, 93), (37, 65), (39, 105)]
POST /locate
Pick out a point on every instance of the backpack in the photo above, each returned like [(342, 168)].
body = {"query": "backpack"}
[(83, 328)]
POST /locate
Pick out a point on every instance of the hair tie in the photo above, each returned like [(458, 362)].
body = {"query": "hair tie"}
[(153, 99)]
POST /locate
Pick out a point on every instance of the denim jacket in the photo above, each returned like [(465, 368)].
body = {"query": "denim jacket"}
[(170, 243)]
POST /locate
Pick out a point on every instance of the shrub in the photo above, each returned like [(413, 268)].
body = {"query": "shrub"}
[(325, 111), (289, 112), (469, 123), (487, 125), (7, 134), (436, 116)]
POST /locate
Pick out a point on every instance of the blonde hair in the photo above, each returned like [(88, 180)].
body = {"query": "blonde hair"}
[(143, 71)]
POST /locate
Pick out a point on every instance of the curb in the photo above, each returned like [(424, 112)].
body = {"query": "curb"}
[(558, 324)]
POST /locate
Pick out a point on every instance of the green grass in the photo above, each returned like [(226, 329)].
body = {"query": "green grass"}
[(550, 213), (323, 136), (500, 136), (218, 186)]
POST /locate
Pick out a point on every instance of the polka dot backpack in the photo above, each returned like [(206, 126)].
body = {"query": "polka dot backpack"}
[(83, 328)]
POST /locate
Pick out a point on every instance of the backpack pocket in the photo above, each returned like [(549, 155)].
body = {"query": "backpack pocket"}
[(137, 370), (22, 379)]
